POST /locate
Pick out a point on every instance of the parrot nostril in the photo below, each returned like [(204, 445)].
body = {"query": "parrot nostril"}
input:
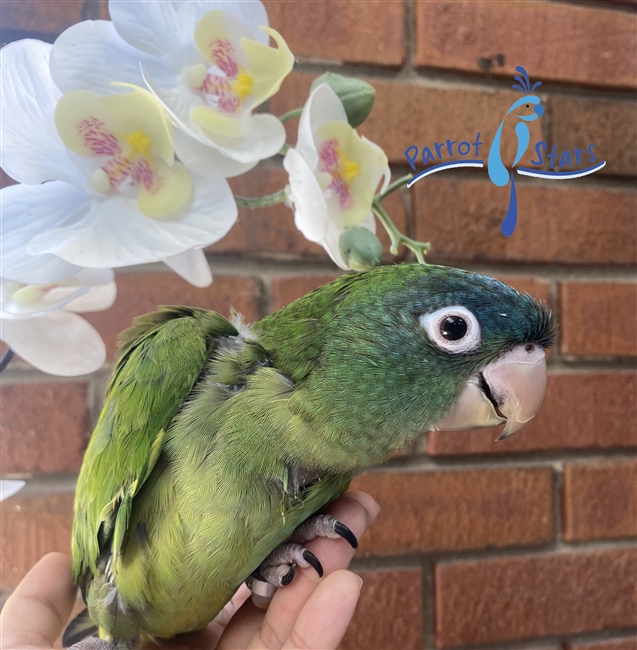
[(530, 347)]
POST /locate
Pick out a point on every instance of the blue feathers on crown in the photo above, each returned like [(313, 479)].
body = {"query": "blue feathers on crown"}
[(524, 86)]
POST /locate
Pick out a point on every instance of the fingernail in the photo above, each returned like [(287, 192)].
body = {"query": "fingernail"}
[(360, 580)]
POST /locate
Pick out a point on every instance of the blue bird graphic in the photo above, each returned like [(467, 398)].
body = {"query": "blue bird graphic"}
[(527, 109)]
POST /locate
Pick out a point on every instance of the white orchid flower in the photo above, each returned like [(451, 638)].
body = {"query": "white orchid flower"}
[(116, 195), (9, 488), (39, 321), (207, 61), (334, 173)]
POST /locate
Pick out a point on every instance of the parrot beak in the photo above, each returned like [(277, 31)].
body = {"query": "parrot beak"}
[(509, 390)]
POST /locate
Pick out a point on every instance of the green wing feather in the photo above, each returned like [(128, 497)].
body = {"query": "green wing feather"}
[(159, 362)]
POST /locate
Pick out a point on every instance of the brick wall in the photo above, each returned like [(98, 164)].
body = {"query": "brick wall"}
[(527, 543)]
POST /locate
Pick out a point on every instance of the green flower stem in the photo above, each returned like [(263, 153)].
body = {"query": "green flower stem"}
[(397, 238), (290, 115), (263, 201), (394, 186), (284, 149)]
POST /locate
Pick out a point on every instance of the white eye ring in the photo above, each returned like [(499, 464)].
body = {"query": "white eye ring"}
[(434, 322)]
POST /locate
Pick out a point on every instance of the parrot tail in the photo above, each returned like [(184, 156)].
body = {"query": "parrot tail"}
[(81, 626)]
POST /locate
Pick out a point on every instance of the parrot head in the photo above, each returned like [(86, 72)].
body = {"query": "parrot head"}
[(428, 347)]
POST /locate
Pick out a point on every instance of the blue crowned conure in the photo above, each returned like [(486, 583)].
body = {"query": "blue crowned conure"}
[(219, 442)]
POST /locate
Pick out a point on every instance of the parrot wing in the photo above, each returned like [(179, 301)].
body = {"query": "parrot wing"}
[(159, 362)]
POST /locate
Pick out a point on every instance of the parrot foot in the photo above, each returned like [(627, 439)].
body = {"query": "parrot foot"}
[(323, 526), (278, 569)]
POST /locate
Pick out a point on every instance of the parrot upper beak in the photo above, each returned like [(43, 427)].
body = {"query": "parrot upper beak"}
[(509, 390)]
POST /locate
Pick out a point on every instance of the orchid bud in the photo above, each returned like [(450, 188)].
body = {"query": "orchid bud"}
[(360, 248), (357, 96)]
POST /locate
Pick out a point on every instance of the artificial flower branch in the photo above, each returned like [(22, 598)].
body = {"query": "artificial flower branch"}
[(263, 201), (397, 238), (290, 115)]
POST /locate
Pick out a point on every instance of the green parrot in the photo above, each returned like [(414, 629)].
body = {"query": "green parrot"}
[(219, 442)]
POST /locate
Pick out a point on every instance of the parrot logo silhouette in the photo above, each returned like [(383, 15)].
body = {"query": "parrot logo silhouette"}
[(526, 109)]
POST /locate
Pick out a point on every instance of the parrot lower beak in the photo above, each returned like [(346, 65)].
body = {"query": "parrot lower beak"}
[(509, 390)]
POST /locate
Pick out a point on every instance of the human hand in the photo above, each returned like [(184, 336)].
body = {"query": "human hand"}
[(309, 613)]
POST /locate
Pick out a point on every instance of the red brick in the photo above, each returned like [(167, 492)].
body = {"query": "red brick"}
[(455, 510), (337, 30), (44, 427), (140, 293), (342, 30), (553, 41), (570, 225), (535, 287), (396, 121), (598, 318), (610, 644), (287, 290), (33, 525), (600, 500), (611, 126), (485, 601), (270, 232), (44, 16), (580, 411), (389, 611)]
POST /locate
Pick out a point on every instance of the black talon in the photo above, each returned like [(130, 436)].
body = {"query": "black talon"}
[(309, 557), (287, 578), (346, 534)]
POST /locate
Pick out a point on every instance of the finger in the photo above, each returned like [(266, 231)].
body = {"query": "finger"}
[(37, 611), (357, 510), (323, 621)]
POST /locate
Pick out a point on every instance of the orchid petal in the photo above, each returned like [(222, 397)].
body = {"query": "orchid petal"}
[(192, 266), (264, 138), (34, 299), (97, 239), (322, 107), (206, 159), (30, 210), (31, 151), (161, 190), (268, 67), (368, 165), (59, 343), (310, 209), (165, 28), (97, 299), (91, 55), (218, 25), (9, 488)]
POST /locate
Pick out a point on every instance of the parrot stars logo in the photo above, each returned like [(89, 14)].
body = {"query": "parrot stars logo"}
[(524, 110)]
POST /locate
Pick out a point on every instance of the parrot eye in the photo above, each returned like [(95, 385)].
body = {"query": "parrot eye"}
[(452, 329)]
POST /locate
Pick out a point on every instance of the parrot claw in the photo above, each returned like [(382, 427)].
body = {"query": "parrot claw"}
[(323, 526), (287, 578), (311, 559), (346, 534)]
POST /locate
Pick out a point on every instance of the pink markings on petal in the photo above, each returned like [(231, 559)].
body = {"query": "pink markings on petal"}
[(229, 102), (142, 174), (341, 189), (328, 156), (98, 140), (223, 55), (330, 163), (117, 169), (214, 85)]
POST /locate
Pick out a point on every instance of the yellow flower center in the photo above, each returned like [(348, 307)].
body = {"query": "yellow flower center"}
[(349, 168), (243, 85), (139, 141)]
